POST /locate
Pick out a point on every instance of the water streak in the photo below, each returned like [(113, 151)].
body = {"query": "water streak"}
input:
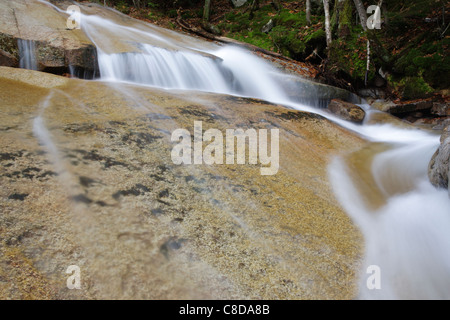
[(27, 54)]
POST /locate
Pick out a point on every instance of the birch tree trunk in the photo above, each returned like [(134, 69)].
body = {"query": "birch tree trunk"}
[(362, 13), (326, 7), (308, 12)]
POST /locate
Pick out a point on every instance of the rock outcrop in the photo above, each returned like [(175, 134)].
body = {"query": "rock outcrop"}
[(440, 109), (57, 48), (402, 109), (87, 179), (427, 114), (439, 167), (346, 110)]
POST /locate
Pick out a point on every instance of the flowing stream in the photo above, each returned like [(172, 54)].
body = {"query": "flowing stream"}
[(407, 235), (27, 54)]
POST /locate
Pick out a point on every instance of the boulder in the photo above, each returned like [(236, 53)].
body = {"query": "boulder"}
[(400, 109), (99, 166), (346, 110), (442, 124), (432, 123), (268, 26), (312, 93), (56, 47), (440, 109), (374, 93), (383, 105), (7, 59), (238, 3), (439, 167)]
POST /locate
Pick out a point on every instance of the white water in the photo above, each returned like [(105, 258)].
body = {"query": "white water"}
[(27, 54), (179, 65), (408, 238)]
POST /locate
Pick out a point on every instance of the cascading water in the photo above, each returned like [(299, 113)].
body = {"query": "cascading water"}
[(407, 237), (162, 68), (27, 54)]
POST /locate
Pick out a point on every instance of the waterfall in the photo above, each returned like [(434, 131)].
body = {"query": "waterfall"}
[(407, 238), (27, 54), (163, 68), (178, 63)]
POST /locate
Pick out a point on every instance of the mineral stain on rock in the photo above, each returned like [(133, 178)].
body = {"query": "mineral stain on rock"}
[(157, 212), (81, 198), (18, 196), (138, 189), (173, 243), (5, 156), (86, 181), (141, 139), (201, 114), (296, 115), (106, 161)]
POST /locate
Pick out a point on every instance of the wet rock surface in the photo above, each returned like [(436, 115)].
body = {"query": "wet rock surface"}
[(347, 111), (87, 179), (439, 168), (428, 114), (56, 46)]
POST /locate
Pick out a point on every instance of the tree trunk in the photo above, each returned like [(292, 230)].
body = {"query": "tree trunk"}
[(207, 10), (345, 18), (308, 12), (362, 13), (277, 5), (386, 18), (326, 7), (366, 77), (253, 8), (137, 4)]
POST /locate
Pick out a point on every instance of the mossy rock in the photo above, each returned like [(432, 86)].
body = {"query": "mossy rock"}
[(413, 88), (350, 56), (9, 44)]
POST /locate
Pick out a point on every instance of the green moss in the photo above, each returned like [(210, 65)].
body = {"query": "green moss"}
[(123, 7), (317, 35), (284, 37), (350, 56), (345, 23), (428, 58), (9, 44), (290, 20), (172, 13), (414, 87)]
